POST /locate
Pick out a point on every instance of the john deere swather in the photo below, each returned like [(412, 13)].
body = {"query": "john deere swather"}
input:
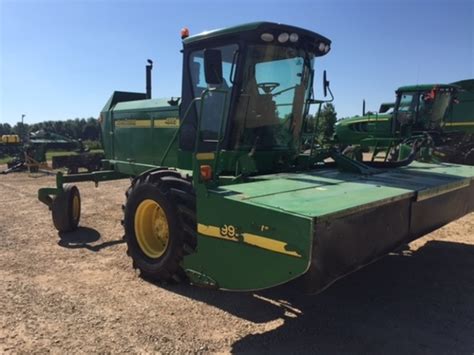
[(222, 193)]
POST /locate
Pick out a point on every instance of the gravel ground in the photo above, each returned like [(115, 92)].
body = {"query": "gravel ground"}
[(78, 293)]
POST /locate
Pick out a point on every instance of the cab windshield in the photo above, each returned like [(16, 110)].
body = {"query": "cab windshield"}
[(272, 101)]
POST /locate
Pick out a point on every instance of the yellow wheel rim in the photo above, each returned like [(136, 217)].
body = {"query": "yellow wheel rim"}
[(76, 207), (151, 228)]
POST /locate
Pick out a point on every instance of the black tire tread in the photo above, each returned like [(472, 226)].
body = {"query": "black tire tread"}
[(62, 210), (179, 191)]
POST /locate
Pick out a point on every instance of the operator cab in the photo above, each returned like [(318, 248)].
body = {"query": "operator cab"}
[(248, 88), (422, 108)]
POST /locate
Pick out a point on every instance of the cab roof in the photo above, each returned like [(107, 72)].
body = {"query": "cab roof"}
[(467, 84), (254, 28), (424, 87)]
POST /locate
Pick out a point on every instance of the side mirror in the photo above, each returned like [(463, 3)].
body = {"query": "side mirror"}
[(325, 84), (213, 66)]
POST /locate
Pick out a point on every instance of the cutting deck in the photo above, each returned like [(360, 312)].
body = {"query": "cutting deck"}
[(355, 219)]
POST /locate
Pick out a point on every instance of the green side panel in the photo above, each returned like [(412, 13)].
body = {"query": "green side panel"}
[(144, 145), (106, 118), (244, 247), (139, 131), (130, 168), (185, 160), (461, 116), (143, 130)]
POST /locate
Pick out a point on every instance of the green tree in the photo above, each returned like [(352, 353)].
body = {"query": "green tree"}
[(327, 120), (21, 129), (91, 130), (5, 128)]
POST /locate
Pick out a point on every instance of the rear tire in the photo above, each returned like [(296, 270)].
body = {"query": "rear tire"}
[(157, 232), (66, 209)]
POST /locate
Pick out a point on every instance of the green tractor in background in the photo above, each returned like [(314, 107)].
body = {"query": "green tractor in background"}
[(458, 131), (22, 155), (223, 193), (31, 153), (441, 115)]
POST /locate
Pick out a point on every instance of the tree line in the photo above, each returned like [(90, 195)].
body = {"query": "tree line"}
[(79, 128)]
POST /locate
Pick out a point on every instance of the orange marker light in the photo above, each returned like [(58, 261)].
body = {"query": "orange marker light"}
[(184, 32), (206, 172)]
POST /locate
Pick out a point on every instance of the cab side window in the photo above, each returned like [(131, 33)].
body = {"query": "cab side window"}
[(215, 104)]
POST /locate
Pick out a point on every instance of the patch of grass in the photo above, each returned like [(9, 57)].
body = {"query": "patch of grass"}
[(4, 160)]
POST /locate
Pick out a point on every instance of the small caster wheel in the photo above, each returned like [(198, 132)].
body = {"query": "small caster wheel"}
[(66, 209)]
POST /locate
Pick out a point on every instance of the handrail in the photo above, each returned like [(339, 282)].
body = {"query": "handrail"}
[(315, 125), (316, 121), (198, 131), (223, 120), (165, 154), (198, 136)]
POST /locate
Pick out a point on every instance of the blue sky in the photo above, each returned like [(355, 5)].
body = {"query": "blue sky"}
[(63, 59)]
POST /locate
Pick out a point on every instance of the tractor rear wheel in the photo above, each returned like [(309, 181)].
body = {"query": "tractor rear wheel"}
[(160, 224), (66, 209)]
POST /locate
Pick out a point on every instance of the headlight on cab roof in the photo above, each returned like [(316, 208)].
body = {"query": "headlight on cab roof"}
[(267, 37), (294, 37), (283, 37)]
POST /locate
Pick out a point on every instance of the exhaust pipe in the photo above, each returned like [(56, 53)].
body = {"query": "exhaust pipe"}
[(149, 67)]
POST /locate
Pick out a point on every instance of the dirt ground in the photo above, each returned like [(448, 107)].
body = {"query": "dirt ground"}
[(78, 293)]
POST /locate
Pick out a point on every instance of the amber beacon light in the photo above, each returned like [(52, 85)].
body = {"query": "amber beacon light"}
[(184, 32)]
